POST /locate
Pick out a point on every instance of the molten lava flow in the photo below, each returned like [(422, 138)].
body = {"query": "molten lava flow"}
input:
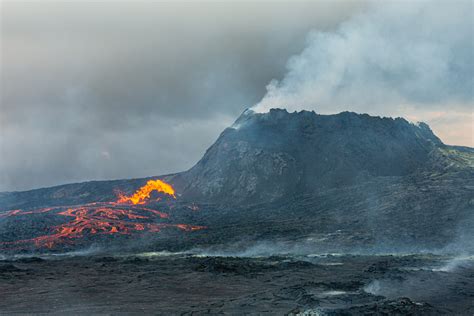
[(143, 194), (124, 217)]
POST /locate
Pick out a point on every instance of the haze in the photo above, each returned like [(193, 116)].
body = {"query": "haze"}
[(107, 90)]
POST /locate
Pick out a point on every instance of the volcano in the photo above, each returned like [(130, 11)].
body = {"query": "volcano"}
[(330, 181), (263, 157)]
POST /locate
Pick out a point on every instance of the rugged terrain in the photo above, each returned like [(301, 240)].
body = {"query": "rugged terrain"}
[(164, 283), (344, 180), (251, 225)]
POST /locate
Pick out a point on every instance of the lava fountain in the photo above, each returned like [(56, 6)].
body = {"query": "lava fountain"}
[(126, 216), (143, 194)]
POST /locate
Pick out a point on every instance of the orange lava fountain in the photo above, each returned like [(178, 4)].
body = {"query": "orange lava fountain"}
[(143, 194), (126, 216)]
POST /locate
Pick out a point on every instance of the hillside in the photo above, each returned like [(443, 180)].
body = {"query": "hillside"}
[(344, 180)]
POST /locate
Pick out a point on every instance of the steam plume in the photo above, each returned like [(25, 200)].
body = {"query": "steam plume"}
[(392, 57)]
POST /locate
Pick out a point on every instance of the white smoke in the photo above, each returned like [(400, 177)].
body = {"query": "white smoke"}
[(394, 58), (456, 263)]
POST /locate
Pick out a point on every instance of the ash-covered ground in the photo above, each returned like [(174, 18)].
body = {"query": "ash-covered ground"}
[(198, 283)]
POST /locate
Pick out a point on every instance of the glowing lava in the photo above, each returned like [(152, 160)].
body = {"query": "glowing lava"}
[(124, 217), (143, 194)]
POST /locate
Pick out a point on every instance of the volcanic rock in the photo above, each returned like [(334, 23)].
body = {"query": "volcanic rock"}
[(263, 157), (345, 182)]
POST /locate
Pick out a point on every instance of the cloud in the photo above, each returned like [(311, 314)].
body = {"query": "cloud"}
[(395, 59), (102, 90)]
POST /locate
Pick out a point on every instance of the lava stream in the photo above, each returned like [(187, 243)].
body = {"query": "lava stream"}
[(126, 216)]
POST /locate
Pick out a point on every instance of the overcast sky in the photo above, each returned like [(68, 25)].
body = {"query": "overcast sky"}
[(108, 90)]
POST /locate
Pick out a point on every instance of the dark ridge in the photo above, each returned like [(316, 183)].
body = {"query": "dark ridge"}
[(267, 156), (263, 156)]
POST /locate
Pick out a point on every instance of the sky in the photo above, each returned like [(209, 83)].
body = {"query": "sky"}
[(107, 90)]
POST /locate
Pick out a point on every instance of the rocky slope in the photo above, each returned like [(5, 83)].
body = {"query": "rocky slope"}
[(345, 180), (267, 156)]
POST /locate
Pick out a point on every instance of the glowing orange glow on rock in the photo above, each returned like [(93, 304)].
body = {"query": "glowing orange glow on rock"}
[(125, 217), (141, 195)]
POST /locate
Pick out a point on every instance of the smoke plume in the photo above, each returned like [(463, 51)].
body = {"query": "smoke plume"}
[(395, 58)]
